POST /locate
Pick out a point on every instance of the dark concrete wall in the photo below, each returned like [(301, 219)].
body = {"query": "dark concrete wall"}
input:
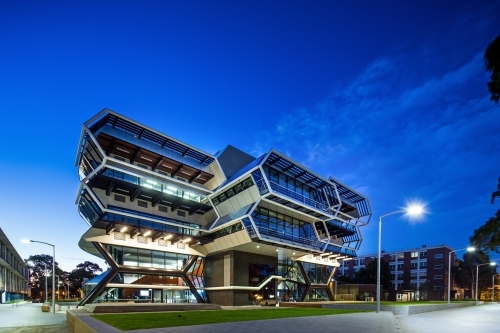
[(239, 261)]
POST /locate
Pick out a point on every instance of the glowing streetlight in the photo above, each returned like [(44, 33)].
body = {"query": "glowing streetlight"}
[(53, 270), (477, 276), (469, 249), (413, 210)]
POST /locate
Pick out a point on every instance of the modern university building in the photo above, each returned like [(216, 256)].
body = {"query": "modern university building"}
[(177, 224)]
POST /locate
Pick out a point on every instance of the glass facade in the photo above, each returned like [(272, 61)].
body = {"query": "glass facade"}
[(285, 228), (154, 184), (130, 256), (240, 187), (257, 273), (318, 273)]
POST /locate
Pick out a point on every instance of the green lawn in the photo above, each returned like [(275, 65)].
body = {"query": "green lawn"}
[(134, 321)]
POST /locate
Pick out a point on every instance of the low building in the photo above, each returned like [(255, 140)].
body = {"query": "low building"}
[(13, 272)]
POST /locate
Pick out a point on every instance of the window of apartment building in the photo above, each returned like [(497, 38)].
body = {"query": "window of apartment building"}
[(423, 273), (356, 270), (356, 262), (423, 254), (438, 266), (438, 287), (393, 275), (413, 274), (438, 277), (423, 264), (362, 261), (414, 254), (393, 284), (414, 264), (413, 284), (400, 266), (438, 256), (400, 275), (400, 284), (401, 255), (392, 267), (392, 257)]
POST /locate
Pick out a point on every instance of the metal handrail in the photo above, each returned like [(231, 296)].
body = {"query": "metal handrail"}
[(298, 197)]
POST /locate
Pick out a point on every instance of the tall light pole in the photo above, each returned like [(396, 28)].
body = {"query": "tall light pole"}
[(53, 271), (477, 276), (413, 210), (469, 249), (493, 287)]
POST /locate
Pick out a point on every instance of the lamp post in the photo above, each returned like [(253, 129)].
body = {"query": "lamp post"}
[(469, 249), (477, 276), (53, 271), (493, 287), (413, 210)]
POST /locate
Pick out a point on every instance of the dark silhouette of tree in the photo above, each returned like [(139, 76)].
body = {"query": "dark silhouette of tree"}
[(465, 272), (487, 236), (86, 270), (492, 64), (368, 275), (35, 264), (496, 193)]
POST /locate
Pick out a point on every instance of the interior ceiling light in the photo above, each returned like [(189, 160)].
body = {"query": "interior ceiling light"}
[(123, 229), (168, 237)]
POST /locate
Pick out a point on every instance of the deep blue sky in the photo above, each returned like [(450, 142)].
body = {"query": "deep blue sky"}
[(389, 97)]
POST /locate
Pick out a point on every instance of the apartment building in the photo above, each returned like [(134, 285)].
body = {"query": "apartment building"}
[(177, 224), (410, 269)]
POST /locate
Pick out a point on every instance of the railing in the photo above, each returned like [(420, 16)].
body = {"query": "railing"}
[(290, 239), (262, 186), (298, 197)]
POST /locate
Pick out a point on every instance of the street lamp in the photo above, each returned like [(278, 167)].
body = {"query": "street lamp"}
[(412, 210), (53, 270), (493, 287), (477, 276), (469, 249)]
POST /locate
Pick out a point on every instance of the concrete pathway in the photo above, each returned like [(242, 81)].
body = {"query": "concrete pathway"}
[(28, 317), (484, 318)]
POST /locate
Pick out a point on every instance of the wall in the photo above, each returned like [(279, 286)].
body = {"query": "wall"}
[(231, 269)]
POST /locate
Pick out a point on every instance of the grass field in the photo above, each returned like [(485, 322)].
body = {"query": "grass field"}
[(133, 321)]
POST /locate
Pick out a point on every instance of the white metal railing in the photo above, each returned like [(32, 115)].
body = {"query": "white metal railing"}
[(298, 197)]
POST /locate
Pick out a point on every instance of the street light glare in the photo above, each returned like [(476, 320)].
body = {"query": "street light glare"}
[(471, 248), (415, 210), (493, 263), (26, 241)]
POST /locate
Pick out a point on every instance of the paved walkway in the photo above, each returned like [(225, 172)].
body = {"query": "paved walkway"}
[(28, 318), (484, 318)]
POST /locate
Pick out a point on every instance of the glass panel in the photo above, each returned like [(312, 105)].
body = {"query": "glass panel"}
[(145, 258), (130, 257), (158, 259)]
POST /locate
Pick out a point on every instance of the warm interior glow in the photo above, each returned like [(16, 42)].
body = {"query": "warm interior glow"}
[(167, 237), (147, 233), (187, 240), (415, 210), (123, 229), (26, 241)]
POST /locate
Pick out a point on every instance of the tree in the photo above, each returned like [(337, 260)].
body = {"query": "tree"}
[(465, 272), (368, 275), (86, 270), (492, 64), (496, 193), (37, 264), (487, 236), (425, 290)]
